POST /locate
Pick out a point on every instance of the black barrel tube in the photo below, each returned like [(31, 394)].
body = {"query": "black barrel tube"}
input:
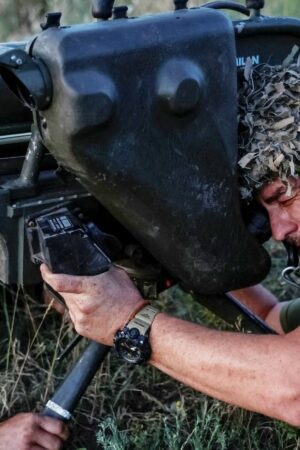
[(66, 397)]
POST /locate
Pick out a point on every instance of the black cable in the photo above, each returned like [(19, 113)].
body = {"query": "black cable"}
[(227, 5)]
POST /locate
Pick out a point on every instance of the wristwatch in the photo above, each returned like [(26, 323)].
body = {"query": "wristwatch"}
[(132, 342)]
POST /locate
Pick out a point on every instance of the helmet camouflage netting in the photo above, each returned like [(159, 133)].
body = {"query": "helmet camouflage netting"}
[(269, 121)]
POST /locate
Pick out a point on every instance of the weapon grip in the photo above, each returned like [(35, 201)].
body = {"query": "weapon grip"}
[(66, 397)]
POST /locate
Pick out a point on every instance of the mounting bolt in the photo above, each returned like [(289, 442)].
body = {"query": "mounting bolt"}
[(102, 9), (120, 12), (44, 123), (52, 21), (180, 4), (255, 6)]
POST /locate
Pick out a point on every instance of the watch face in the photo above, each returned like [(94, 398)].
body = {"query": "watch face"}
[(133, 350), (128, 351)]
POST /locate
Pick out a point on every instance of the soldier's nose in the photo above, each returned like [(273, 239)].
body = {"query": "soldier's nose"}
[(282, 225)]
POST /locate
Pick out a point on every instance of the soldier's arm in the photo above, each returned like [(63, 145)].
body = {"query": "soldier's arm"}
[(259, 373), (262, 303)]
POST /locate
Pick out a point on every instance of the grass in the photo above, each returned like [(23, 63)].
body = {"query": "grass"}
[(126, 408)]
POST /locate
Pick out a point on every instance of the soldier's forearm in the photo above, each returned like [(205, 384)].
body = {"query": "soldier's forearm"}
[(263, 303), (255, 372), (257, 298), (273, 318)]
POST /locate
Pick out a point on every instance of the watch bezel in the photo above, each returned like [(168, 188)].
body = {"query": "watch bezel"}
[(140, 343)]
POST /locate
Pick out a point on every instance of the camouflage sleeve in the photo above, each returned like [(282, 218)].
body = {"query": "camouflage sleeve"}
[(290, 315)]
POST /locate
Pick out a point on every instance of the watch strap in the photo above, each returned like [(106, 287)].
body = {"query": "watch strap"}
[(143, 319)]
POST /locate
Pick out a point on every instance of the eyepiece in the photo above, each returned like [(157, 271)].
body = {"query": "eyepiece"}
[(27, 77)]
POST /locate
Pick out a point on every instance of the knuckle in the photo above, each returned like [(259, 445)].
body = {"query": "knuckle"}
[(32, 423), (27, 436), (81, 320), (85, 309), (77, 328), (80, 325), (60, 427), (57, 285), (75, 285), (56, 444)]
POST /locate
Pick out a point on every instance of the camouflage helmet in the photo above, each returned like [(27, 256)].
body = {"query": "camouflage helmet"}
[(269, 123)]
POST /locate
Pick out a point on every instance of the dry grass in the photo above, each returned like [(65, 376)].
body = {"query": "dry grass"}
[(128, 408)]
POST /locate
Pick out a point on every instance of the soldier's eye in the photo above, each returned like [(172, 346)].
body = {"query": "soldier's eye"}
[(286, 200)]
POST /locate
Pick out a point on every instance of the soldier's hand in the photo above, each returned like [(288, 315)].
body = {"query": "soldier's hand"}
[(32, 432), (98, 305)]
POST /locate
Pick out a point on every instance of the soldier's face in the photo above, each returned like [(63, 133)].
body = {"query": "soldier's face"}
[(283, 208)]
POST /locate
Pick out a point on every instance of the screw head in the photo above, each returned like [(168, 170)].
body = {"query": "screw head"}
[(134, 333)]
